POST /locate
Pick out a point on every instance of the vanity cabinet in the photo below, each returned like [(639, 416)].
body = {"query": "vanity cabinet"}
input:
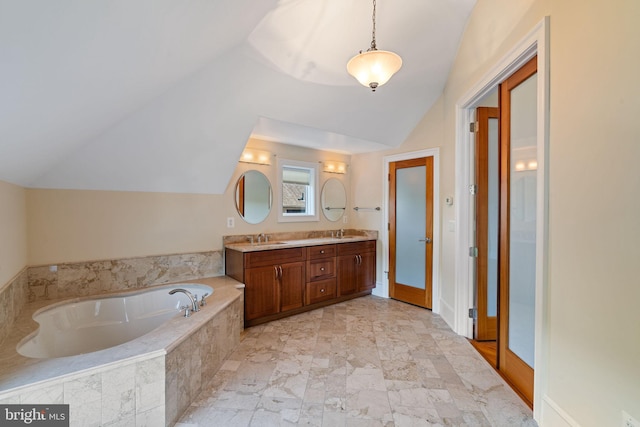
[(356, 267), (321, 274), (282, 282), (274, 280)]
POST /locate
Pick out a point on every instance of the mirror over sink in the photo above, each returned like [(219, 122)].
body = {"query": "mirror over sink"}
[(253, 196), (333, 199)]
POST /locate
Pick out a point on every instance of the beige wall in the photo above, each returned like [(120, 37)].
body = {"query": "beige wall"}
[(594, 288), (13, 231), (75, 225)]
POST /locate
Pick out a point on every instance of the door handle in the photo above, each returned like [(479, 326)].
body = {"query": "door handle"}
[(426, 240)]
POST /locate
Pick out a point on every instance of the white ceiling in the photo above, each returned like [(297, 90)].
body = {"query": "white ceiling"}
[(162, 95)]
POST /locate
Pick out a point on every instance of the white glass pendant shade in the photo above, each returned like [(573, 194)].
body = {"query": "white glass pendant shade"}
[(374, 67)]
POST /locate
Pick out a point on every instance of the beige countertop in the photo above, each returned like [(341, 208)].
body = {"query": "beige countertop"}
[(295, 243)]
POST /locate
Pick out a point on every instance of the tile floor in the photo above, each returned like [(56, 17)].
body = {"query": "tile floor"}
[(365, 362)]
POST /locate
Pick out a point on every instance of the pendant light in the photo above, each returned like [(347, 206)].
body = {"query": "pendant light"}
[(374, 67)]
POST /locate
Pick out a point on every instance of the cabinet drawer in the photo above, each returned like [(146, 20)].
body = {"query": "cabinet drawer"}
[(319, 269), (320, 291), (324, 251), (273, 257), (355, 248)]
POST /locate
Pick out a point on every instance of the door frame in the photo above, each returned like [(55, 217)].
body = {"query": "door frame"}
[(534, 43), (435, 270)]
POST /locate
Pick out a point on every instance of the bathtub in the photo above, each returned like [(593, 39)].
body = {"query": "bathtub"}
[(93, 324)]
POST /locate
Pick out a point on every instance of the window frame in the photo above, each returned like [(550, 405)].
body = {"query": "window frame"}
[(312, 203)]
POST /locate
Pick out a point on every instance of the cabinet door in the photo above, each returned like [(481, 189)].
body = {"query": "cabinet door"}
[(292, 286), (347, 275), (261, 292), (367, 271)]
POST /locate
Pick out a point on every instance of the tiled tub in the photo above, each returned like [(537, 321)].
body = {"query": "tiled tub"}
[(145, 382)]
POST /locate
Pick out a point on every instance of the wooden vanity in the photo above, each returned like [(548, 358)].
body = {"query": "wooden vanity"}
[(286, 278)]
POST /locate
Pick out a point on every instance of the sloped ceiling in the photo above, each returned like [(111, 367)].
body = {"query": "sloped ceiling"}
[(162, 95)]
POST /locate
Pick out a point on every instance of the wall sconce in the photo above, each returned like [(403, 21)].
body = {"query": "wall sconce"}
[(256, 157), (334, 167)]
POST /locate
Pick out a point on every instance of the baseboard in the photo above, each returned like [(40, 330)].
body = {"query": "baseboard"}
[(447, 313), (554, 416), (380, 290)]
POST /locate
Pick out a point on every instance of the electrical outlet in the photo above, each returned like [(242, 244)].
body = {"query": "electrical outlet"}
[(230, 222), (629, 421), (345, 219)]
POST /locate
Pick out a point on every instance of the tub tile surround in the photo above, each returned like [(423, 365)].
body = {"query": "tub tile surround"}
[(69, 280), (13, 296), (138, 383), (95, 277)]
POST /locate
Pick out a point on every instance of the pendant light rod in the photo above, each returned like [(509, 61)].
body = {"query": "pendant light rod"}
[(373, 31)]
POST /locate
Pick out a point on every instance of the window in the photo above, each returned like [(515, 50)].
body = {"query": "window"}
[(297, 182)]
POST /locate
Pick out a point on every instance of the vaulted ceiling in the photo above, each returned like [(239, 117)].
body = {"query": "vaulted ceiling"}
[(162, 95)]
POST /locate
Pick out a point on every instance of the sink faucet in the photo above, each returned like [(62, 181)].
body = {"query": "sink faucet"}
[(250, 238), (340, 233), (194, 303), (260, 236)]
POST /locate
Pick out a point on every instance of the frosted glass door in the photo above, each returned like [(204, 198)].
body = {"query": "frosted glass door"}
[(411, 230), (522, 229), (487, 215), (518, 228), (410, 226)]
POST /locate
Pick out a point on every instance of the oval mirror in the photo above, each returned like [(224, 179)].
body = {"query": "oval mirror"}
[(334, 199), (253, 196)]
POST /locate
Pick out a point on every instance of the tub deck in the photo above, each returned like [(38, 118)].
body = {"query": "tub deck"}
[(18, 373)]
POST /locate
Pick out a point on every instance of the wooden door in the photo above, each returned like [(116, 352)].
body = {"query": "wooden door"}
[(486, 199), (518, 165), (411, 230)]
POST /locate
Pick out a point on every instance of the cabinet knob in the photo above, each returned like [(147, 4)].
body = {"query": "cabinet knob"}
[(322, 251), (322, 291), (321, 268)]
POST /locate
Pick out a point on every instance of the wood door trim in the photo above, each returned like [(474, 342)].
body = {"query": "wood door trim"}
[(510, 365), (486, 328)]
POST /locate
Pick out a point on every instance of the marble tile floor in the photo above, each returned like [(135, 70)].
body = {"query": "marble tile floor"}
[(365, 362)]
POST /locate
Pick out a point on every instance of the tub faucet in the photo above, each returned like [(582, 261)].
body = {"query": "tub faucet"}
[(194, 304)]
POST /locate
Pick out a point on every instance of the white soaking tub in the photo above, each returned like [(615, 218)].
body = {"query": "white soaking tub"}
[(86, 325)]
